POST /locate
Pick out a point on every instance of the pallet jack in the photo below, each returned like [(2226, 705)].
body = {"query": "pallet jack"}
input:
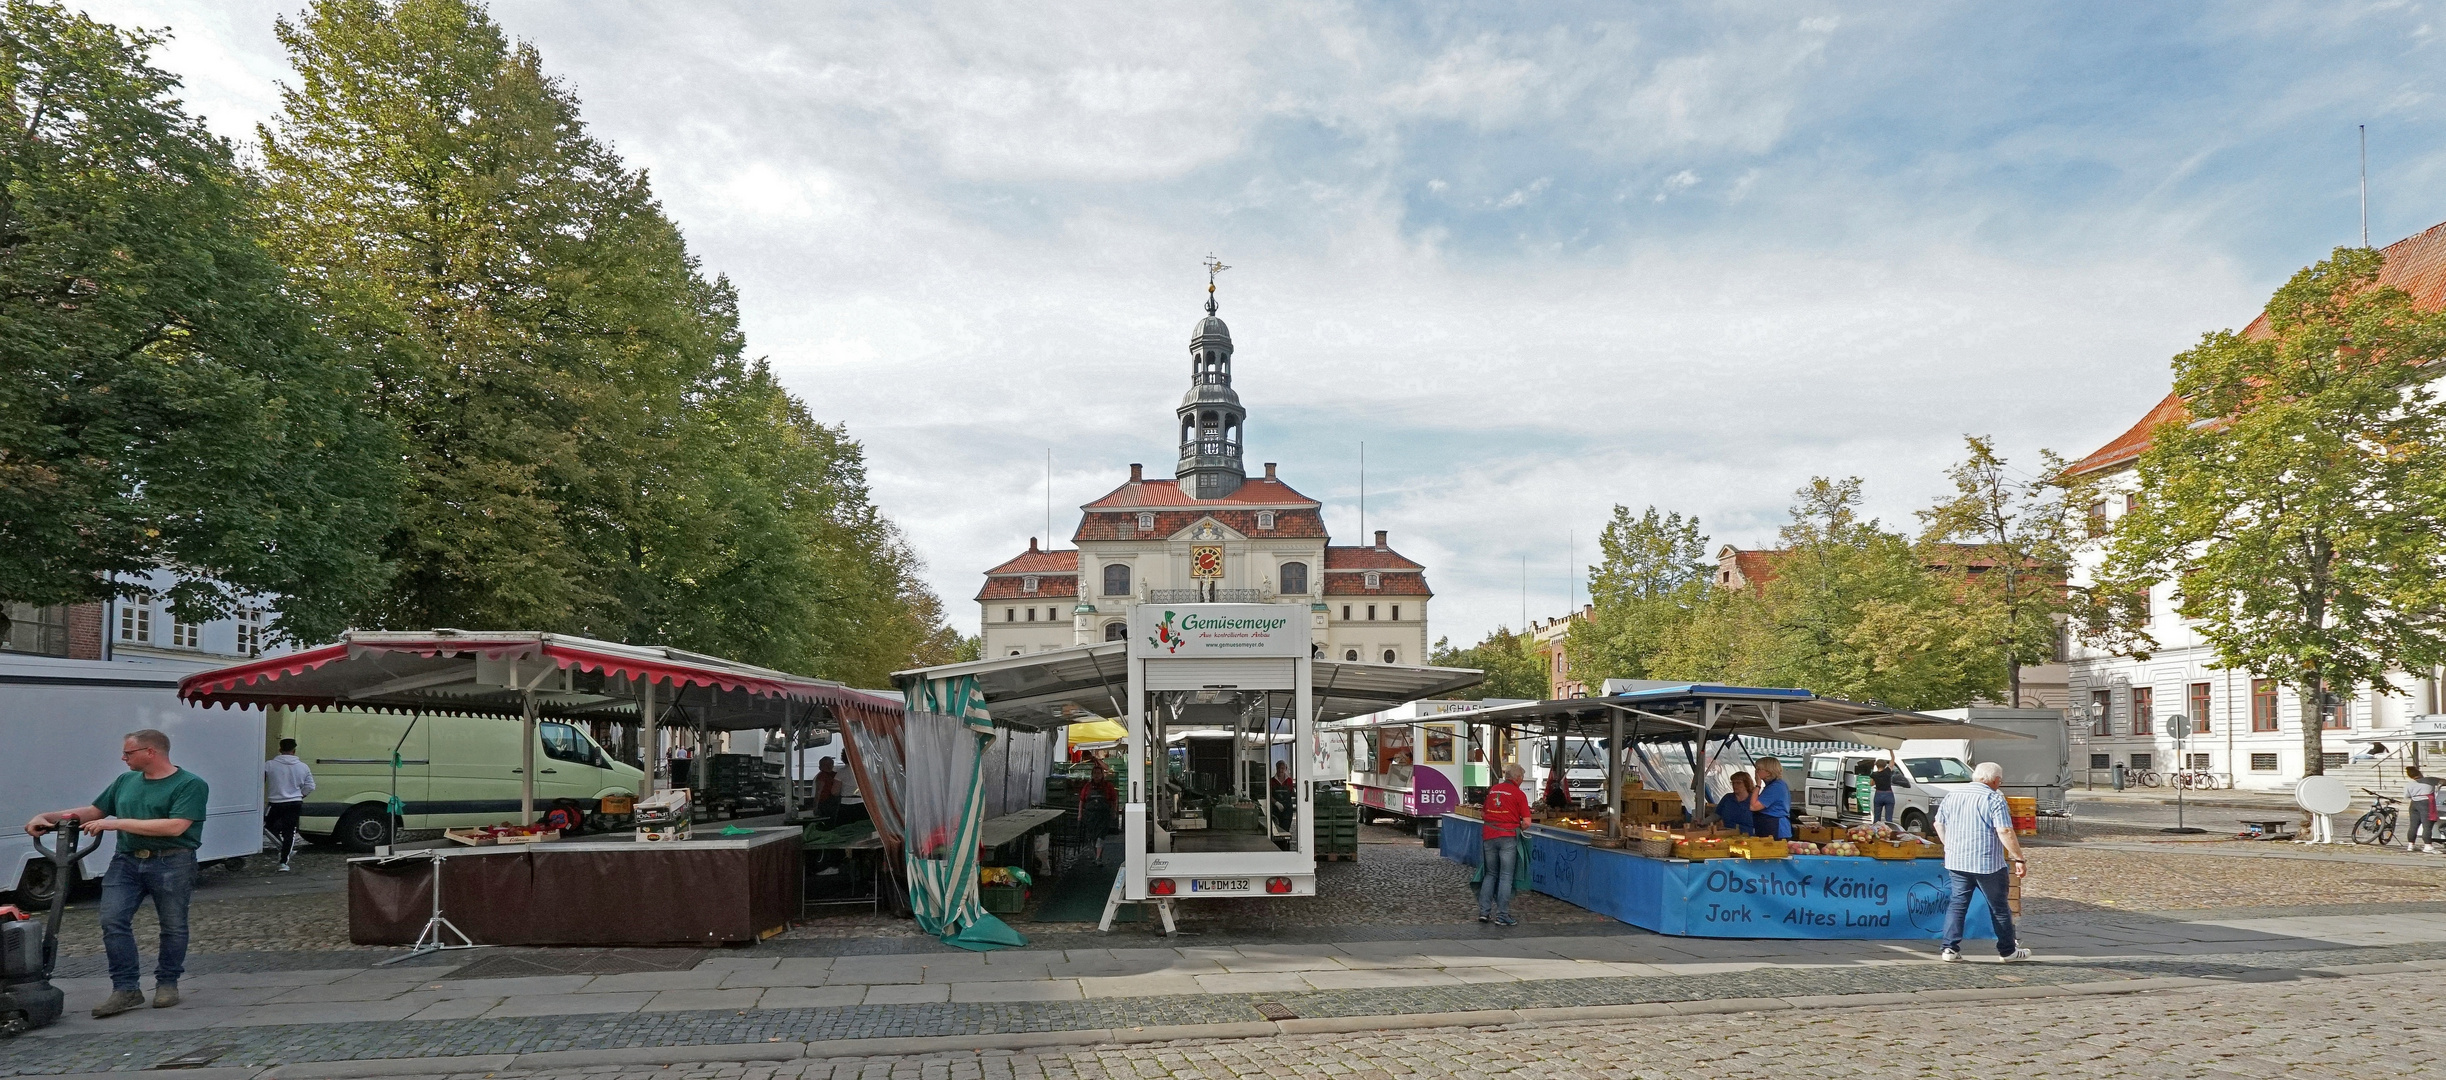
[(29, 950)]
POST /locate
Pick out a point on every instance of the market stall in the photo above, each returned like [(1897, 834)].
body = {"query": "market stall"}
[(518, 885), (1650, 857)]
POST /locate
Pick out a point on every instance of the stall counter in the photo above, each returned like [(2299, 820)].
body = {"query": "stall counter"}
[(709, 890), (1805, 896)]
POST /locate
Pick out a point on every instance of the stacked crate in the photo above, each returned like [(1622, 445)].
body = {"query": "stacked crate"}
[(1337, 826)]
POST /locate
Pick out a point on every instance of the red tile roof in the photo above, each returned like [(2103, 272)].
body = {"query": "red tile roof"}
[(2416, 264), (1035, 561), (1367, 558), (1123, 524), (1049, 587), (1388, 583), (1159, 492)]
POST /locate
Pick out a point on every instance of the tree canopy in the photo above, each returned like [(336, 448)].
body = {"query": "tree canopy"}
[(166, 400), (2302, 520), (1510, 661)]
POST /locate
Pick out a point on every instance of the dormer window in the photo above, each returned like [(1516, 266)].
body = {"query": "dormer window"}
[(1374, 580), (1027, 583), (1265, 519), (1146, 521)]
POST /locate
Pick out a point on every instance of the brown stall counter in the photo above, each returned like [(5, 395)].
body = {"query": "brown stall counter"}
[(712, 890)]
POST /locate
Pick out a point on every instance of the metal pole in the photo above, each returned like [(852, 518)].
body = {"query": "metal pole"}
[(650, 753), (526, 758), (1613, 780)]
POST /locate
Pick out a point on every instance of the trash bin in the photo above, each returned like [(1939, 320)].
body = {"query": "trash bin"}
[(2118, 776)]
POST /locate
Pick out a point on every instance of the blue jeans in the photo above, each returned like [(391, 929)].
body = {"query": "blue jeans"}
[(1999, 909), (169, 878), (1882, 805), (1498, 860)]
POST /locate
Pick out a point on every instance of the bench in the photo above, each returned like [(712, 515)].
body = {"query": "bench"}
[(2268, 828)]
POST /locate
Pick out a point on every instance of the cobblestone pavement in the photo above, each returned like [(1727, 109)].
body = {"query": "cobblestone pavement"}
[(2072, 877), (2352, 1027)]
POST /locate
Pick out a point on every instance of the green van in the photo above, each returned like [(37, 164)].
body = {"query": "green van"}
[(455, 770)]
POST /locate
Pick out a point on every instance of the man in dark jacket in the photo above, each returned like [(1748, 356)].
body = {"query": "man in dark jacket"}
[(1507, 809)]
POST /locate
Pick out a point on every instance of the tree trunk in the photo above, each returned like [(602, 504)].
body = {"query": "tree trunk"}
[(2012, 678), (2314, 722)]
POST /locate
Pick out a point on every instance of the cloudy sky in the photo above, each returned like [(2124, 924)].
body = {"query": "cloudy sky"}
[(1540, 259)]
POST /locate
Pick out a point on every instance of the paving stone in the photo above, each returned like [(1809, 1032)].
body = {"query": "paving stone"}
[(695, 979), (1062, 990), (678, 1000), (1140, 986), (811, 997), (1262, 982), (459, 1008), (569, 1004), (1354, 980), (907, 994)]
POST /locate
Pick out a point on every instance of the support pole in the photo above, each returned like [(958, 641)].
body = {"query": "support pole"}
[(526, 758), (1613, 779), (650, 753)]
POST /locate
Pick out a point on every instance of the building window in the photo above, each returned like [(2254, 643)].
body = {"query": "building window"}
[(2101, 761), (251, 638), (1031, 614), (184, 635), (1351, 655), (2102, 712), (1116, 579), (2131, 503), (1265, 519), (42, 631), (2144, 710), (2333, 760), (1116, 630), (1371, 613), (2141, 761), (1397, 613), (1373, 580), (2336, 714), (2263, 706), (1295, 579), (1028, 583), (2199, 708), (1346, 613), (2263, 763), (136, 620), (2196, 761), (2097, 518), (1010, 614), (1015, 652), (1146, 521), (1391, 657)]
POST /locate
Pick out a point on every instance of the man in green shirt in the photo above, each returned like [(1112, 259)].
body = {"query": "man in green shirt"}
[(157, 809)]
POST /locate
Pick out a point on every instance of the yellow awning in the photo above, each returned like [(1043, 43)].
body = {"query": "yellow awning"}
[(1098, 731)]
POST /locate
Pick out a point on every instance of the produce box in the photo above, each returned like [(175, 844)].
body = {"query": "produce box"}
[(1752, 847), (1002, 899), (528, 837), (1882, 849), (1656, 847), (619, 804), (655, 834), (1819, 834), (2012, 894), (469, 837), (1702, 849)]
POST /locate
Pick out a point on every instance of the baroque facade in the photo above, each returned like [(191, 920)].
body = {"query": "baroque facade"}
[(1210, 532)]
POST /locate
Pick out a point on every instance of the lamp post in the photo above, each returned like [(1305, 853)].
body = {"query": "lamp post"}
[(2181, 730)]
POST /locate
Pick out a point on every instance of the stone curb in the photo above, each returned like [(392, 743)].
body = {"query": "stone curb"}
[(1322, 1025)]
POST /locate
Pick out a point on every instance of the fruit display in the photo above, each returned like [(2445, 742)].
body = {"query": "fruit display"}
[(1003, 875), (504, 833), (1801, 847)]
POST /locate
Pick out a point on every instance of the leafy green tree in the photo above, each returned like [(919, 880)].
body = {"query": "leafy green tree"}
[(165, 401), (1653, 579), (2304, 525), (1511, 663), (2007, 540)]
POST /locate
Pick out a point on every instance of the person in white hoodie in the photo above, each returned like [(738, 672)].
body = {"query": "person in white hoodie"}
[(286, 783)]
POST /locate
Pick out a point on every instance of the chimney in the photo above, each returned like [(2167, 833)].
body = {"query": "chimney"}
[(1032, 543), (1380, 539), (1138, 473), (1269, 470)]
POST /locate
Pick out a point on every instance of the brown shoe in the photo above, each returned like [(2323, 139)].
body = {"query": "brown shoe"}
[(165, 995), (118, 1002)]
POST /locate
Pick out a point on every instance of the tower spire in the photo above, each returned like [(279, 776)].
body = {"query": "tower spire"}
[(1213, 266), (1210, 413)]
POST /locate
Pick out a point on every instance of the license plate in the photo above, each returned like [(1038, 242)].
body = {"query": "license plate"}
[(1219, 884), (1821, 797)]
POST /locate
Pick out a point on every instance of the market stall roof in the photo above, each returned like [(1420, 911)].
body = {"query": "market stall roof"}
[(1085, 682), (1667, 713), (488, 673)]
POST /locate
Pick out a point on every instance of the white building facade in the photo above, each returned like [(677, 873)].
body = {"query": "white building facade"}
[(1208, 532)]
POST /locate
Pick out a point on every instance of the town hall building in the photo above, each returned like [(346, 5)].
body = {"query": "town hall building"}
[(1208, 533)]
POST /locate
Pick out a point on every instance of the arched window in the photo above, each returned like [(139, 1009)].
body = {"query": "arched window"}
[(1116, 630), (1295, 579), (1116, 579), (1350, 654), (1391, 657)]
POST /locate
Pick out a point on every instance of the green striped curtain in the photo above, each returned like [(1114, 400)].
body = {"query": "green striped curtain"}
[(943, 873)]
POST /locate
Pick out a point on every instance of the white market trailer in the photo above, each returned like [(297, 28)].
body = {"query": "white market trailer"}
[(1195, 822), (63, 720)]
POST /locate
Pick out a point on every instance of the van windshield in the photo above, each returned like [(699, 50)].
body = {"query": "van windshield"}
[(1583, 755), (1937, 770)]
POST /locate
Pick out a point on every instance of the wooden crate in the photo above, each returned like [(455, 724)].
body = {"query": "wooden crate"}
[(1752, 847)]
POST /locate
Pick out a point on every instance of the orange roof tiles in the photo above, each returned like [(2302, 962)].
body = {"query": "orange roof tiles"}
[(1159, 493), (1393, 583), (1048, 587), (2416, 264), (1367, 558), (1036, 561), (1123, 524)]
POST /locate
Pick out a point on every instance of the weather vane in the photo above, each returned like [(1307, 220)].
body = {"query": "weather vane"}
[(1213, 266)]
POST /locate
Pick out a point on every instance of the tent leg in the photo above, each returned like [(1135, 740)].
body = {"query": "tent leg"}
[(526, 760), (649, 742)]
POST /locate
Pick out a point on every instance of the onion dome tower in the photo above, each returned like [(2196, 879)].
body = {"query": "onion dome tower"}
[(1210, 413)]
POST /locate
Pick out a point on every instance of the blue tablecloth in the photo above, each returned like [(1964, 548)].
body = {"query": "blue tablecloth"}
[(1805, 896)]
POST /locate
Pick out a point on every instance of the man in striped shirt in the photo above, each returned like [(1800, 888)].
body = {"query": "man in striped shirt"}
[(1981, 849)]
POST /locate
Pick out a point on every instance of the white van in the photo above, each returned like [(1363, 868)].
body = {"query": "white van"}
[(1583, 766), (62, 721), (454, 771), (1921, 783)]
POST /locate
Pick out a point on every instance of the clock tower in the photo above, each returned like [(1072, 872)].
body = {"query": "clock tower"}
[(1211, 417)]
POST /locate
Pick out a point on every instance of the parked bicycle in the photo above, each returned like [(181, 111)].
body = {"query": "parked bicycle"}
[(2141, 778), (2195, 779), (2377, 826)]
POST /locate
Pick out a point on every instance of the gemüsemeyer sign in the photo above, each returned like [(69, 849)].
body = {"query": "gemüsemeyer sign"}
[(1208, 630)]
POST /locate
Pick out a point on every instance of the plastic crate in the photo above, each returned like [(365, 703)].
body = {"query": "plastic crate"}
[(1002, 899)]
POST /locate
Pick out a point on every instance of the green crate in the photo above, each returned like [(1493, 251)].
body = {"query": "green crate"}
[(1002, 899)]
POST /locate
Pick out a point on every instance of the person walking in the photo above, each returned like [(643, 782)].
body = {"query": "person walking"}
[(2421, 807), (286, 783), (1506, 810), (1881, 792), (1982, 852), (157, 809)]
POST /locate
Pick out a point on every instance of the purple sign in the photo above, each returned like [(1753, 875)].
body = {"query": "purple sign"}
[(1436, 795)]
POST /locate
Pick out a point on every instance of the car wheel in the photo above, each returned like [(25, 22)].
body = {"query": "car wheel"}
[(1915, 822), (234, 865), (363, 828)]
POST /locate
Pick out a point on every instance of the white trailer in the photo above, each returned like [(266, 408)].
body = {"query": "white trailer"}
[(62, 721)]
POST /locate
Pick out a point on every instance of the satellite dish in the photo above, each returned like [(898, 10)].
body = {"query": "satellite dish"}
[(2323, 795)]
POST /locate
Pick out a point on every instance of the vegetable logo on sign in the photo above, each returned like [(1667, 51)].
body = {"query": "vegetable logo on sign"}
[(1165, 637)]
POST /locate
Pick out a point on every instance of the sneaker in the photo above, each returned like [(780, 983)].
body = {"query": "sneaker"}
[(1506, 920), (165, 995), (2019, 954), (1482, 916), (118, 1002), (1950, 955), (284, 868)]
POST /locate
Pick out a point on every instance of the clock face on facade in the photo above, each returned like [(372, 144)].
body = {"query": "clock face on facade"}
[(1206, 561)]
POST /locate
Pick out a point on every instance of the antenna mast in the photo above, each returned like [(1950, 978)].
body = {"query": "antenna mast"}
[(1363, 493), (2365, 185), (1048, 498)]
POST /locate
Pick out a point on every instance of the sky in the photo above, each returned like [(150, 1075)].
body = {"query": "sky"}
[(1539, 259)]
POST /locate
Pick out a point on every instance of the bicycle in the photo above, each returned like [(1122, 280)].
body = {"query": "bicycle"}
[(2141, 777), (2194, 779), (2377, 826)]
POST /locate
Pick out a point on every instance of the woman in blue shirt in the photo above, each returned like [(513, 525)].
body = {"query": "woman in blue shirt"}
[(1771, 807), (1734, 808)]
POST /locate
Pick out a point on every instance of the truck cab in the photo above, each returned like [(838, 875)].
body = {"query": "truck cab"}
[(1919, 785)]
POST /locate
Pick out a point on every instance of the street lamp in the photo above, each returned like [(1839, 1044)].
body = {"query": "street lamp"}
[(2180, 727)]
